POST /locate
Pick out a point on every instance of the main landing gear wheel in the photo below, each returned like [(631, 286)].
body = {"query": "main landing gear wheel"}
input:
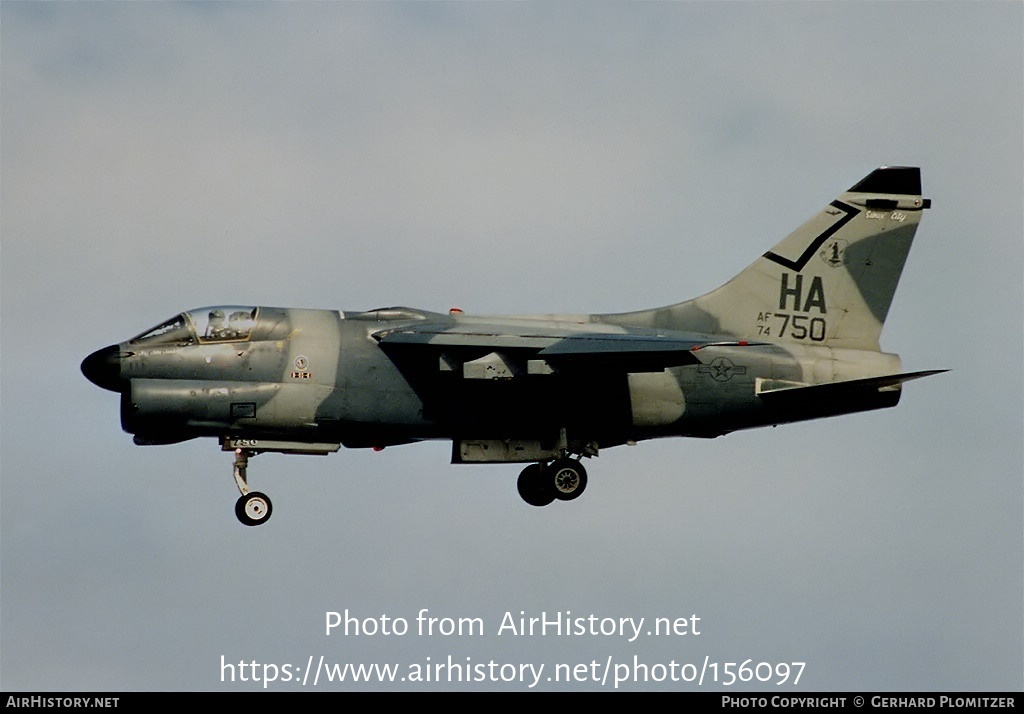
[(564, 479), (534, 488), (567, 477), (253, 508)]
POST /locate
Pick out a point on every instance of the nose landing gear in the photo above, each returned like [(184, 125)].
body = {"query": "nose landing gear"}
[(252, 507)]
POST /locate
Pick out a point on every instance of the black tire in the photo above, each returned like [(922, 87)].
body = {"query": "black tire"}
[(254, 508), (567, 477), (533, 488)]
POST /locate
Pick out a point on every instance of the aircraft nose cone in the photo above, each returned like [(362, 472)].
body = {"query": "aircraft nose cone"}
[(103, 368)]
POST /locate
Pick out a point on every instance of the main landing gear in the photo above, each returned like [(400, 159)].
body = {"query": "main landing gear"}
[(564, 478), (252, 507)]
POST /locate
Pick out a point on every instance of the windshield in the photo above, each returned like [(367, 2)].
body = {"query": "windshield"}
[(173, 332)]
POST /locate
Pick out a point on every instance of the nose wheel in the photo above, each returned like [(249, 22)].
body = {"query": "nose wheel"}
[(252, 508)]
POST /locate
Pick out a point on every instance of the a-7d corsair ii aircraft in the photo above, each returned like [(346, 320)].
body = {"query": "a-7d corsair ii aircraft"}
[(792, 337)]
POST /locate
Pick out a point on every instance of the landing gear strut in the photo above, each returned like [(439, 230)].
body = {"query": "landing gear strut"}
[(564, 478), (252, 507)]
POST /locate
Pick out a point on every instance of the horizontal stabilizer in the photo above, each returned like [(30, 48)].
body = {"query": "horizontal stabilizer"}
[(770, 389)]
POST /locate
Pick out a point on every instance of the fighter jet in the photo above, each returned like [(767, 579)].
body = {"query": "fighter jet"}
[(794, 336)]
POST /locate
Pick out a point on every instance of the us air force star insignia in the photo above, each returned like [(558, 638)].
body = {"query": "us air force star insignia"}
[(721, 369), (834, 252)]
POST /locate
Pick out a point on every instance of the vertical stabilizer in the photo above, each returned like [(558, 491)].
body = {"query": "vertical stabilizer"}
[(830, 282)]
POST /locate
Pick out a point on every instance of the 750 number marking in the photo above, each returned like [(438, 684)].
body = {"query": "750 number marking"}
[(797, 327)]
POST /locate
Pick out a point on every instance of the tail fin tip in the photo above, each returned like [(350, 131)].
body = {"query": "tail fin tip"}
[(895, 180)]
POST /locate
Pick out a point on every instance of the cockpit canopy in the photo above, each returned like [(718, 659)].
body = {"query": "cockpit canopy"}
[(231, 323)]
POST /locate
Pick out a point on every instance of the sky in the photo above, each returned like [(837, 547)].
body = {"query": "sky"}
[(506, 158)]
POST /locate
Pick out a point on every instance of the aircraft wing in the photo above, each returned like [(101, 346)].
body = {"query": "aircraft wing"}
[(556, 346)]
